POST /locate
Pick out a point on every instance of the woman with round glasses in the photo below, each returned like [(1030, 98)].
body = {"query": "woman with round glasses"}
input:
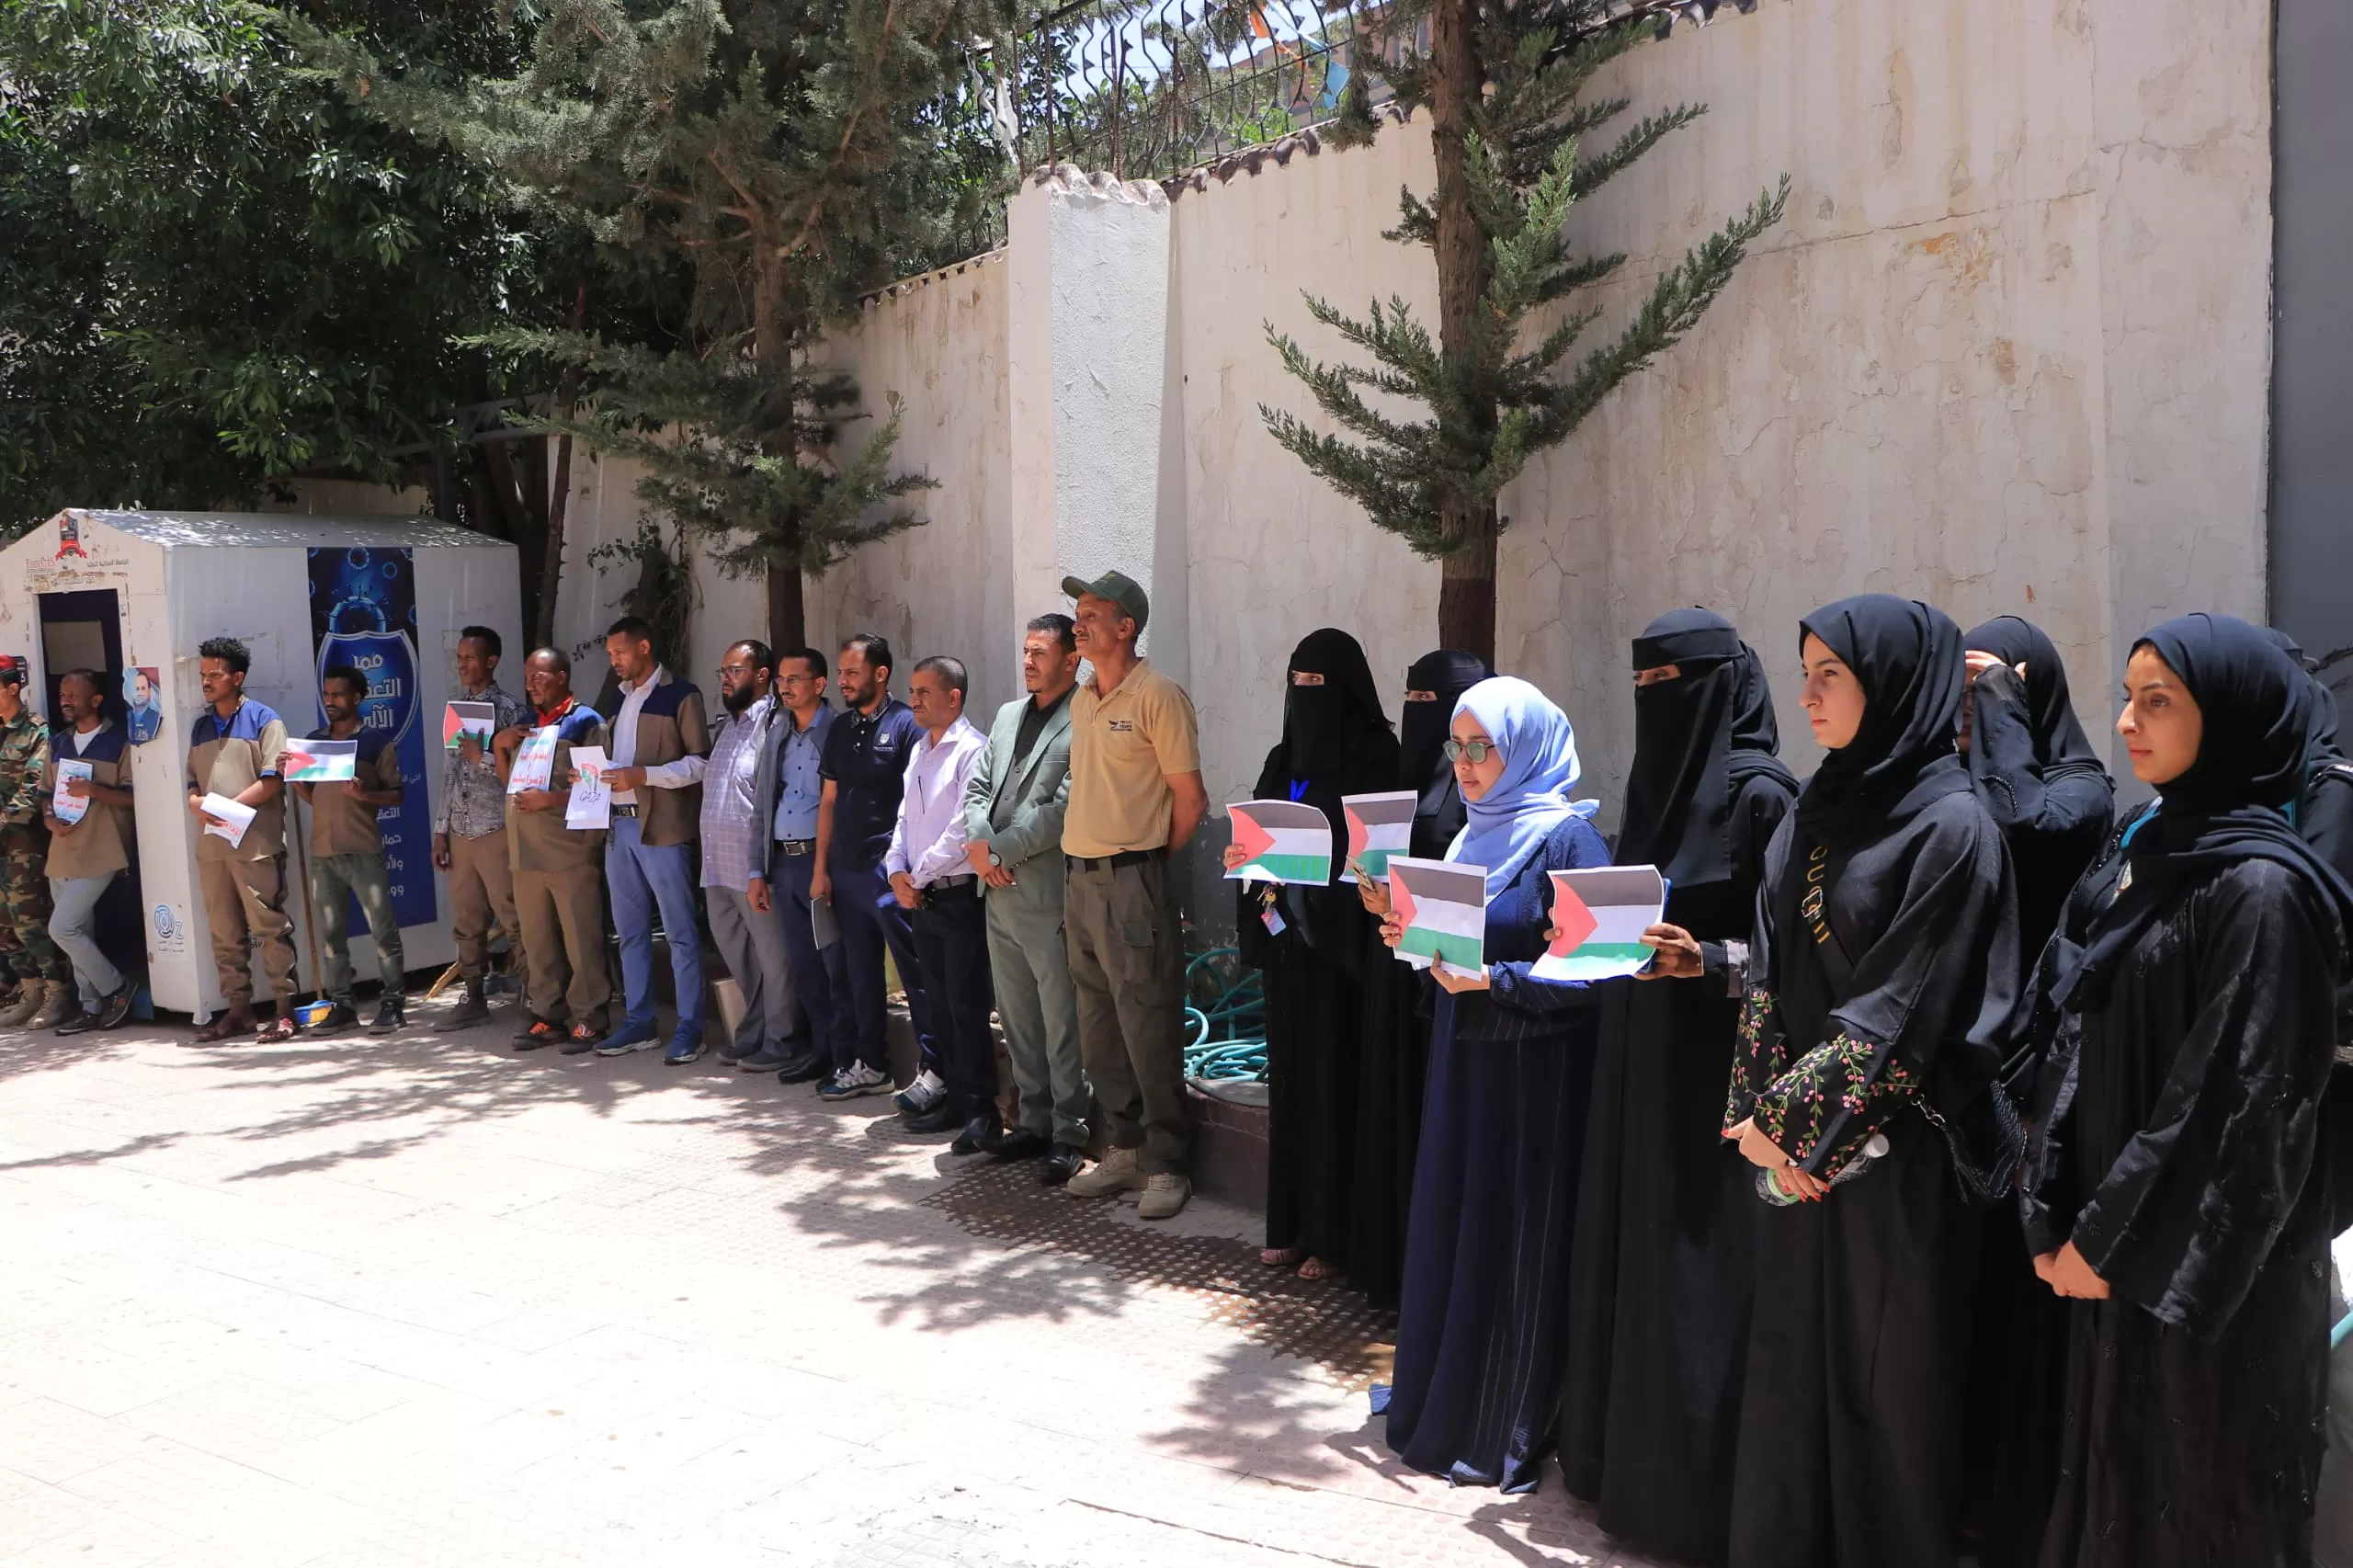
[(1481, 1327)]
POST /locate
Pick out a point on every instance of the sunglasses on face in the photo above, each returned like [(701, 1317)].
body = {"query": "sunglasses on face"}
[(1476, 751)]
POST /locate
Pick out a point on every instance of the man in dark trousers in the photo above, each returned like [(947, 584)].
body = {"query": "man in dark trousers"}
[(348, 856), (789, 790), (865, 771)]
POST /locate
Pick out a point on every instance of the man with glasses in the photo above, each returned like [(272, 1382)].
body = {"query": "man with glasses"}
[(734, 830), (790, 788)]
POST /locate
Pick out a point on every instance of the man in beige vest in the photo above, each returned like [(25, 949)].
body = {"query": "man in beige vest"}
[(88, 852), (233, 751), (559, 870)]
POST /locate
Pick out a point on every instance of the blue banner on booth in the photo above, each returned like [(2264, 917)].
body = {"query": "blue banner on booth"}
[(363, 613)]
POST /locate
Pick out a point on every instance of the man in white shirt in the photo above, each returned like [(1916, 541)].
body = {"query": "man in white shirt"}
[(932, 877)]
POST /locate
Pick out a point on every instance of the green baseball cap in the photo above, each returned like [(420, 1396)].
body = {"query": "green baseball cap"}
[(1119, 588)]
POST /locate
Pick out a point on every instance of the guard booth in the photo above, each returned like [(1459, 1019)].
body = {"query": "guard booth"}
[(131, 594)]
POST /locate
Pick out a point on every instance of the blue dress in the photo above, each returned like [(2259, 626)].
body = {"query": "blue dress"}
[(1483, 1318)]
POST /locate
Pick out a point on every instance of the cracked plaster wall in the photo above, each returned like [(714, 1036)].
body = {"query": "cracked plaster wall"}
[(2009, 352)]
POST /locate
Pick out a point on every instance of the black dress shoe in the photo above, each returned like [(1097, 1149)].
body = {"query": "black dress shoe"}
[(736, 1050), (942, 1118), (805, 1068), (1022, 1144), (1065, 1161), (981, 1135)]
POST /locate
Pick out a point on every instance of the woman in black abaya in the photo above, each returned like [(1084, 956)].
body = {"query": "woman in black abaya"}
[(1311, 943), (1882, 975), (2173, 1190), (1396, 1031), (2040, 777), (1661, 1280)]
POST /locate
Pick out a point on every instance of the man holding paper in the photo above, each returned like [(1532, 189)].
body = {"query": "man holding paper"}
[(89, 831), (234, 787), (559, 870), (343, 788), (36, 966), (469, 833)]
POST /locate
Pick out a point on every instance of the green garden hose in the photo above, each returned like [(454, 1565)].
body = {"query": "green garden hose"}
[(1225, 1017)]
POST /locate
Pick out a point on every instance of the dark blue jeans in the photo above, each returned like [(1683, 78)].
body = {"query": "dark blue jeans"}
[(642, 878), (820, 978), (872, 923), (952, 936)]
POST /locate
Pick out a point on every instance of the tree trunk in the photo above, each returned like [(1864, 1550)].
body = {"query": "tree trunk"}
[(559, 492), (1467, 579), (1466, 593), (788, 613)]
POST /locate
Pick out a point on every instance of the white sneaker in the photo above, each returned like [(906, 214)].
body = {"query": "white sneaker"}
[(1164, 1194), (919, 1096), (1115, 1171), (853, 1081)]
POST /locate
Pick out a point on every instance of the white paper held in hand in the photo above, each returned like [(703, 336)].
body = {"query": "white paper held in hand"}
[(534, 761), (591, 805), (68, 808), (233, 818)]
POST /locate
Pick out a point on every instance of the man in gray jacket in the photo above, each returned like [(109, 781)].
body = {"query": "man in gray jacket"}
[(1012, 818)]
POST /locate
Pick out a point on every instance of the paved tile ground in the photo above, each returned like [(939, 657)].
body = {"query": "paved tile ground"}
[(369, 1304)]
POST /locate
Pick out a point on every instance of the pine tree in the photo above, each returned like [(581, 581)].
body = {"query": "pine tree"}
[(1501, 82), (790, 155)]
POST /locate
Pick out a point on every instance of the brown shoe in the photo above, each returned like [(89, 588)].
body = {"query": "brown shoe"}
[(234, 1024), (59, 1001), (27, 1002)]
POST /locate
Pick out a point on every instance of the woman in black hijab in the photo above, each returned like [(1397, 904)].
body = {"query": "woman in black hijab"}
[(2173, 1190), (1661, 1278), (1883, 974), (1312, 945), (2042, 778), (1396, 1031)]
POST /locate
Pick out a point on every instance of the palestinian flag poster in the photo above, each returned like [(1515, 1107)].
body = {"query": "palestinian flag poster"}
[(317, 760), (1598, 917), (1378, 827), (1286, 841), (1444, 907)]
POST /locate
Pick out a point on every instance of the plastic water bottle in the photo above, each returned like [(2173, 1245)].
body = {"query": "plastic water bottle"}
[(1775, 1191)]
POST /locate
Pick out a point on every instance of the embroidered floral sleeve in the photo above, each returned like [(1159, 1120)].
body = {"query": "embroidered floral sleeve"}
[(1827, 1106), (1759, 1056)]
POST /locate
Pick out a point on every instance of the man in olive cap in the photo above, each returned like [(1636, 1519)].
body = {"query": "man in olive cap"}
[(36, 967), (1135, 797)]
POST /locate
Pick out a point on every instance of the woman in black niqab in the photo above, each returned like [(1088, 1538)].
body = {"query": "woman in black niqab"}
[(1312, 944), (1662, 1276), (2173, 1189), (2040, 774), (1396, 1033), (1882, 976)]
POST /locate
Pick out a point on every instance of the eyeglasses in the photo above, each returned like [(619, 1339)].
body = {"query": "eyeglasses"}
[(1477, 751), (726, 670)]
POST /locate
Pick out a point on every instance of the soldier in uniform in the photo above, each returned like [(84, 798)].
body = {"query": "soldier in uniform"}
[(37, 969)]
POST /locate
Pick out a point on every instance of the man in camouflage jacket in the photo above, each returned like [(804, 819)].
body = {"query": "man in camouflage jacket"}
[(36, 968)]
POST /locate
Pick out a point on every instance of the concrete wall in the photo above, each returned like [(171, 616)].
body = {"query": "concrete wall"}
[(2010, 351)]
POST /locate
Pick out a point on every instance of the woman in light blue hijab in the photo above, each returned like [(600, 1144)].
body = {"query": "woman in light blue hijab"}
[(1482, 1321)]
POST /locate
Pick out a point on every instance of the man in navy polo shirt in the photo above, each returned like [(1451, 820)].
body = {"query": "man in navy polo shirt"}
[(864, 768)]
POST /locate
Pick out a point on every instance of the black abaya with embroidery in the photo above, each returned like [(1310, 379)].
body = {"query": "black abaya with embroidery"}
[(1885, 973), (1335, 742), (1397, 998), (1661, 1276), (2041, 779), (2176, 1145)]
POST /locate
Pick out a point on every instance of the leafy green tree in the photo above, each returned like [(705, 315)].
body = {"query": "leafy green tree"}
[(227, 273), (1501, 82), (788, 156)]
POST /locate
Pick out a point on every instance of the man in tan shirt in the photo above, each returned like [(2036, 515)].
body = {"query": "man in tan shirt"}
[(347, 856), (559, 870), (233, 751), (87, 854), (1135, 797)]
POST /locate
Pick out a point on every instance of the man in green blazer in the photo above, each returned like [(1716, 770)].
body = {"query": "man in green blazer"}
[(1012, 818)]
